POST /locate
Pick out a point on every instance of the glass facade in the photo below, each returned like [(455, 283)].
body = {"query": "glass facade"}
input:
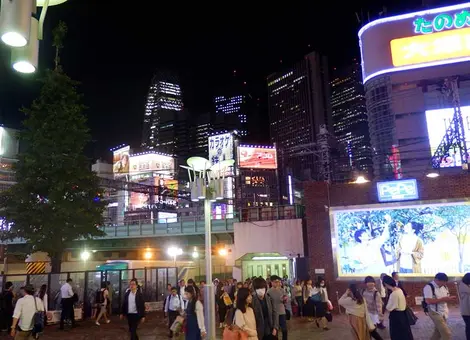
[(231, 113)]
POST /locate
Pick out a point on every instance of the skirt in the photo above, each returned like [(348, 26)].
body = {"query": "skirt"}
[(359, 328), (320, 309), (399, 326)]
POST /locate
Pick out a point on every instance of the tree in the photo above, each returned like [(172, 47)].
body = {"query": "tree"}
[(57, 197)]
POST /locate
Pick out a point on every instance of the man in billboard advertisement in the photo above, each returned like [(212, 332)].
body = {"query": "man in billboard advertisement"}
[(413, 240)]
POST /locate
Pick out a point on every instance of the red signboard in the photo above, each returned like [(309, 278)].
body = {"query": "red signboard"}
[(257, 158)]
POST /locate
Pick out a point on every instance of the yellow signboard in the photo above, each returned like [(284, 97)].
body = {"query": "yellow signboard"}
[(433, 47)]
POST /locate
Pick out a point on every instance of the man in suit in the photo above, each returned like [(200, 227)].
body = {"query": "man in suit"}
[(265, 310), (133, 307)]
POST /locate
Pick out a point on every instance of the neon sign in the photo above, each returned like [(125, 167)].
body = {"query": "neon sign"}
[(442, 21)]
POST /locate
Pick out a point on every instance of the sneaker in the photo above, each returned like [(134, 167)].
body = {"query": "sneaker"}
[(326, 329), (97, 323)]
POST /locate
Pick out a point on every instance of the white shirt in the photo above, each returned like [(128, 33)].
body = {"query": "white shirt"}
[(45, 303), (174, 303), (382, 290), (396, 301), (199, 309), (442, 308), (408, 244), (131, 307), (352, 307), (24, 311), (66, 291)]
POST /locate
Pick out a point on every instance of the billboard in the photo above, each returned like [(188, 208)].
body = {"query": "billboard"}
[(257, 157), (438, 122), (403, 190), (148, 162), (221, 148), (121, 161), (419, 239), (432, 37)]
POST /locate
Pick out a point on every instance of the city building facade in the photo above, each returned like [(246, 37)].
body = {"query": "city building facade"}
[(231, 112), (413, 99), (9, 149), (350, 124)]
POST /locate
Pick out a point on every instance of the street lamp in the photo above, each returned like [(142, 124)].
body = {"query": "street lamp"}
[(174, 252), (207, 183), (21, 29), (148, 254), (195, 253), (361, 180), (223, 252)]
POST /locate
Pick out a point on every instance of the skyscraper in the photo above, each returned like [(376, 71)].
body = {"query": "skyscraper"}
[(164, 104), (231, 113), (298, 104), (350, 125)]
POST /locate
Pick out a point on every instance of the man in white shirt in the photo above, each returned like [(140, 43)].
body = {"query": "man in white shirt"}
[(174, 304), (66, 293), (436, 296), (24, 313)]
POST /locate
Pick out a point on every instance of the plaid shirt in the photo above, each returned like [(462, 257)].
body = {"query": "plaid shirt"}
[(374, 305)]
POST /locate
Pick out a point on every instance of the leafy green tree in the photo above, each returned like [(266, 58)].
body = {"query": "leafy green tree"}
[(57, 197)]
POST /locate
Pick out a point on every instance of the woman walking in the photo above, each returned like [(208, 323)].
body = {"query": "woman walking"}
[(102, 302), (43, 296), (221, 305), (355, 306), (244, 315), (399, 325), (298, 288), (195, 329), (464, 294)]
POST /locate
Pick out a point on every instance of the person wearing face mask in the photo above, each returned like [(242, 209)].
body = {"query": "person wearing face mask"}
[(265, 310)]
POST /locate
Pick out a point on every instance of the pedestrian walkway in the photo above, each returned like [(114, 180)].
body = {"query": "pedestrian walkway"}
[(156, 329)]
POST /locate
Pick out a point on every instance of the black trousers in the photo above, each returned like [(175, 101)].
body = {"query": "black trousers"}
[(375, 335), (171, 318), (67, 312), (133, 321)]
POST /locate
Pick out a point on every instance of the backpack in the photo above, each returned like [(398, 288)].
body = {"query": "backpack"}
[(38, 319), (99, 297)]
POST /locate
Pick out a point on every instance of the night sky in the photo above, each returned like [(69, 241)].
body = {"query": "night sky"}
[(114, 50)]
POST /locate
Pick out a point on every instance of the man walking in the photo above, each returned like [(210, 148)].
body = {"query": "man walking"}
[(133, 307), (109, 306), (436, 296), (265, 310), (66, 293), (278, 295), (173, 306), (23, 316)]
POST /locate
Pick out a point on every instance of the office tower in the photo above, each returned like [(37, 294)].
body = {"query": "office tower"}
[(162, 111), (298, 104), (350, 125), (231, 113)]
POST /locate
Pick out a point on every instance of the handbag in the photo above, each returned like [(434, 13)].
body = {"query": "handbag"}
[(316, 298), (410, 315), (233, 332), (177, 325)]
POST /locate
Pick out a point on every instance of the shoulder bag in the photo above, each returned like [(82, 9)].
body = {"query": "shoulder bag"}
[(233, 332), (38, 319)]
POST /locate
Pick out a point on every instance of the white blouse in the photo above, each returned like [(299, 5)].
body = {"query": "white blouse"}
[(352, 307), (199, 309), (396, 301)]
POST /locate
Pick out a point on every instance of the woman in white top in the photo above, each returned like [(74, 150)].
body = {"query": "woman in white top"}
[(42, 294), (102, 305), (244, 315), (356, 310), (195, 329), (399, 325)]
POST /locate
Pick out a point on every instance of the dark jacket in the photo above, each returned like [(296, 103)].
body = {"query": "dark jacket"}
[(139, 302), (273, 318)]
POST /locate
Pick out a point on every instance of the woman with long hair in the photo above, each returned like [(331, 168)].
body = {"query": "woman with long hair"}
[(355, 306), (244, 315), (321, 305), (42, 294), (221, 306), (195, 329), (399, 325)]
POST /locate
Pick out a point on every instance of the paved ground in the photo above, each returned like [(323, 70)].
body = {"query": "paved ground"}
[(155, 329)]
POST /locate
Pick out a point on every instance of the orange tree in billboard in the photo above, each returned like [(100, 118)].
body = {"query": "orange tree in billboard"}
[(57, 199)]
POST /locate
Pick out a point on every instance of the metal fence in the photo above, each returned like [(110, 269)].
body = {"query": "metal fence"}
[(153, 283)]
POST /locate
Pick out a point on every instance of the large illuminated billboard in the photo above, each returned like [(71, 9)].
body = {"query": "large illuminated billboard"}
[(438, 122), (150, 161), (427, 38), (220, 148), (419, 239), (121, 161), (257, 157)]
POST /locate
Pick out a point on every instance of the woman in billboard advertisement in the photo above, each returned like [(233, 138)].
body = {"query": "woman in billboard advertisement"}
[(410, 249), (368, 247)]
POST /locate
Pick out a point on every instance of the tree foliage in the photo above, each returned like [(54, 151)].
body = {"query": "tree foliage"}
[(57, 197)]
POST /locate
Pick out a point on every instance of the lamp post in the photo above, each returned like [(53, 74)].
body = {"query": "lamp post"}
[(207, 183)]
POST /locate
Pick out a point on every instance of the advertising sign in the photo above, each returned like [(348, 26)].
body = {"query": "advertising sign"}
[(414, 239), (427, 38), (403, 190), (151, 162), (220, 148), (121, 161), (438, 121), (257, 158)]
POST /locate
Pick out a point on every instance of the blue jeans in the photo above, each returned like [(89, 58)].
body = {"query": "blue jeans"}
[(283, 326), (406, 271)]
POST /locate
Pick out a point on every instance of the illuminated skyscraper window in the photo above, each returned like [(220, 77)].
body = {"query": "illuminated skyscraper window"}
[(231, 113)]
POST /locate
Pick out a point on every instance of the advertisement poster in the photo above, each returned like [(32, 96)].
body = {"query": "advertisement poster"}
[(414, 239), (220, 148), (438, 121), (121, 161), (152, 162), (257, 158)]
